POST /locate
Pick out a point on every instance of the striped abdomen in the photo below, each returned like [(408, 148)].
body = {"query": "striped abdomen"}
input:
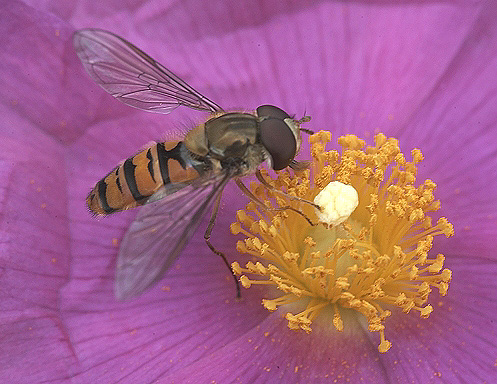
[(134, 181)]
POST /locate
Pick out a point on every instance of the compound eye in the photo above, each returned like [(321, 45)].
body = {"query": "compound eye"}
[(272, 111), (279, 141)]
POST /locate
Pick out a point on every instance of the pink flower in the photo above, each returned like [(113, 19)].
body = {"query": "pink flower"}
[(423, 72)]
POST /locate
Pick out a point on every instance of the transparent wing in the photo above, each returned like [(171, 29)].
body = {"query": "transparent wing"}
[(133, 77), (159, 233)]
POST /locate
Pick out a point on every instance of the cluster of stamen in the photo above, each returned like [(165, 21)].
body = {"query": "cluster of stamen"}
[(375, 261)]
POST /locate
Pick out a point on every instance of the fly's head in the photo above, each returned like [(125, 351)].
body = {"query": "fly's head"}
[(280, 135)]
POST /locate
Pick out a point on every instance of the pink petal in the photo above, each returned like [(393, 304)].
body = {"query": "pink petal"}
[(457, 343), (271, 352), (34, 248), (350, 66), (456, 127), (46, 82)]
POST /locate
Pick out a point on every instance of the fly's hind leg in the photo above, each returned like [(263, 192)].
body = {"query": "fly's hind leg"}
[(207, 236)]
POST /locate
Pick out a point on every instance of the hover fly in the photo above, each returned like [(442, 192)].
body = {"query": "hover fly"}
[(181, 179)]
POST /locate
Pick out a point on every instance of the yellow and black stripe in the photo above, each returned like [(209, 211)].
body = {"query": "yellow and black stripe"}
[(134, 181)]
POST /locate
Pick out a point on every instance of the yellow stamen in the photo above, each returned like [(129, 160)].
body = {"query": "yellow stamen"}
[(377, 258)]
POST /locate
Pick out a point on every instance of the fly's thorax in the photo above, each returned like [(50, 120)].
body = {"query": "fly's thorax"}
[(196, 141), (231, 134), (255, 155)]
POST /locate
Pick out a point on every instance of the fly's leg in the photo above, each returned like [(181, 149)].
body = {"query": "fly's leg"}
[(257, 201), (263, 181), (207, 236)]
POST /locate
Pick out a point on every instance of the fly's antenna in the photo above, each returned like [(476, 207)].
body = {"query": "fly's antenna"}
[(305, 119)]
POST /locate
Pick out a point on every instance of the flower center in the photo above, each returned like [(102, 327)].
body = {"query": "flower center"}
[(374, 261)]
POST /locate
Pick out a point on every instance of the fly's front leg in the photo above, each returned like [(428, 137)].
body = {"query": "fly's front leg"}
[(268, 186), (252, 197), (207, 236)]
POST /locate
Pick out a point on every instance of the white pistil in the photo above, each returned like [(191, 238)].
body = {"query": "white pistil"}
[(337, 202)]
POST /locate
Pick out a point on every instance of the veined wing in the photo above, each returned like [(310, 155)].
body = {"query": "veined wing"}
[(133, 77), (159, 233)]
